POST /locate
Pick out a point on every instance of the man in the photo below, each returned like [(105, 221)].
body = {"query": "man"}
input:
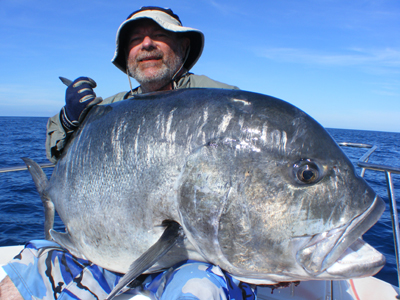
[(158, 54), (154, 48)]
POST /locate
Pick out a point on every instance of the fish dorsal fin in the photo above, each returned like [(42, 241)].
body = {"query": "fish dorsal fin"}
[(168, 239), (41, 183), (65, 240)]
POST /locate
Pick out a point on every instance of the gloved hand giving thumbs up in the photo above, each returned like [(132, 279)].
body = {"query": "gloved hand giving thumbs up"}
[(79, 98)]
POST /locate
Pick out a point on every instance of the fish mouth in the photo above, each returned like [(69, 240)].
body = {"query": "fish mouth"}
[(323, 250), (359, 260)]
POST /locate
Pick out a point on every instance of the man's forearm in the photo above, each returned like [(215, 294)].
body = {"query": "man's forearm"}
[(56, 138)]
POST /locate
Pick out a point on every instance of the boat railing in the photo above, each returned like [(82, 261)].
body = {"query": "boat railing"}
[(24, 167), (388, 170)]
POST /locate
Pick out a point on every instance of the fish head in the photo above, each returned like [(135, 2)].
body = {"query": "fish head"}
[(274, 198)]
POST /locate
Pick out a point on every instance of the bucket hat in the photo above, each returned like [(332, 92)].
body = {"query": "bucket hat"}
[(167, 20)]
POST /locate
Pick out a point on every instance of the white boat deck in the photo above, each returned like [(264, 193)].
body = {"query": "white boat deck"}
[(368, 288)]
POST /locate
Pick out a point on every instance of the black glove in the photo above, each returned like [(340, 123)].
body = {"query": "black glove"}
[(79, 98)]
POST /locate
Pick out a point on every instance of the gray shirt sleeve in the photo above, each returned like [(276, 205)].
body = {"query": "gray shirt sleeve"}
[(56, 137)]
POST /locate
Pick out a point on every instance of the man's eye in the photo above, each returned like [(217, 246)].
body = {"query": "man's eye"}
[(134, 40)]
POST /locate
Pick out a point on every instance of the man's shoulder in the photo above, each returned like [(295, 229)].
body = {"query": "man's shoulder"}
[(202, 81), (115, 98)]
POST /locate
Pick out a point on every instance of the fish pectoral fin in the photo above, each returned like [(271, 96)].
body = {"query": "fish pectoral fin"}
[(65, 241), (171, 235), (41, 182)]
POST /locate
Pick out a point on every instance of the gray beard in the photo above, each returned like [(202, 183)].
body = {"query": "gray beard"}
[(158, 80)]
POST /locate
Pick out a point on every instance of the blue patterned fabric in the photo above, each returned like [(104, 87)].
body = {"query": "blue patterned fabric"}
[(46, 271), (195, 280)]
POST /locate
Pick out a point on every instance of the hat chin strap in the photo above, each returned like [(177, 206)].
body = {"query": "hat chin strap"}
[(129, 79), (180, 69)]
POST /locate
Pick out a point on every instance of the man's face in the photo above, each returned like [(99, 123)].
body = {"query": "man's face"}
[(154, 55)]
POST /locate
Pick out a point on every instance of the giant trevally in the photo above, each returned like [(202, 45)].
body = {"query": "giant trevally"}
[(242, 180)]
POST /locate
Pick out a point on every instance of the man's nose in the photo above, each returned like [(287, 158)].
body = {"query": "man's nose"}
[(148, 43)]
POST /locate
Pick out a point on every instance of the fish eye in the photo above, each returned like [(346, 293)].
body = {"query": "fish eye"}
[(307, 172)]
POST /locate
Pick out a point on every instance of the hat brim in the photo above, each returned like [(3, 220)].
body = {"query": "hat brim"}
[(166, 22)]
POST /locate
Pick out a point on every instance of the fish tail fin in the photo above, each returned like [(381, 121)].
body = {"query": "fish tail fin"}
[(41, 182)]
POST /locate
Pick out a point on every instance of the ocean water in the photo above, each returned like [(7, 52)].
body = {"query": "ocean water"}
[(21, 211)]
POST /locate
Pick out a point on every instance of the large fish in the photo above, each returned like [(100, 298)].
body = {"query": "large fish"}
[(241, 180)]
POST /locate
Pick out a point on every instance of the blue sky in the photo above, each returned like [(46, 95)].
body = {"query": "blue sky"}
[(337, 60)]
